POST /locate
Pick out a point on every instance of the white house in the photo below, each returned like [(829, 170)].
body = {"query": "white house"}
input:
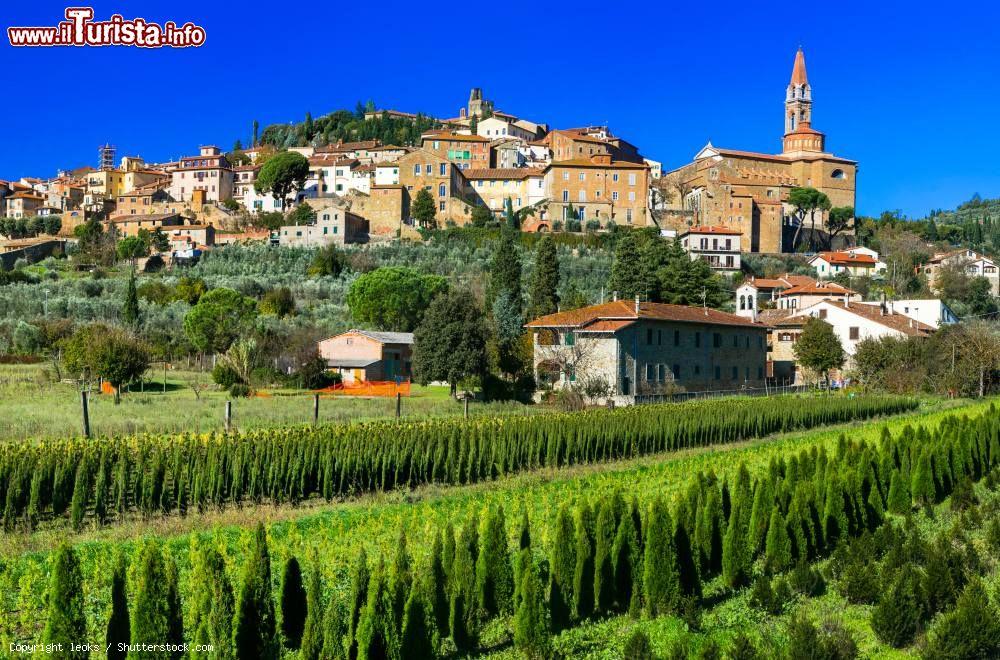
[(804, 295), (758, 291), (857, 262), (855, 322), (497, 127), (387, 174), (716, 244), (209, 172), (976, 265), (930, 311)]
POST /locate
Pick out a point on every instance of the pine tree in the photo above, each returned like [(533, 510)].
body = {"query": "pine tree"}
[(897, 616), (583, 573), (254, 630), (604, 575), (66, 623), (118, 623), (543, 291), (899, 493), (778, 551), (660, 580), (293, 604), (312, 632), (494, 579), (417, 639), (563, 568), (151, 614), (531, 631)]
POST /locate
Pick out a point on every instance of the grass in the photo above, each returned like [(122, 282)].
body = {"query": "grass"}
[(335, 532), (34, 404)]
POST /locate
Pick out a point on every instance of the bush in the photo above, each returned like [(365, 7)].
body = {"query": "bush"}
[(224, 376), (897, 617), (806, 580), (638, 647), (971, 630), (963, 496), (239, 390)]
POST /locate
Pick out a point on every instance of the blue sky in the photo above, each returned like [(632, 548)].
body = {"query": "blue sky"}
[(909, 90)]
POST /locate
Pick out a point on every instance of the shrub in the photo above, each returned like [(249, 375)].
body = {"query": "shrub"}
[(806, 580), (897, 616), (638, 647), (971, 630), (225, 376), (239, 390)]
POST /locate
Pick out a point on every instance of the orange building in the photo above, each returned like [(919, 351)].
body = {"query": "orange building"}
[(598, 187), (467, 151)]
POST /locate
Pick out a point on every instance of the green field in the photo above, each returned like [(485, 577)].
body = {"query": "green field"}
[(34, 404), (334, 534)]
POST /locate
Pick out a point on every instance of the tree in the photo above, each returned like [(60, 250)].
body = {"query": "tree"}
[(423, 209), (282, 175), (897, 616), (97, 350), (393, 298), (329, 260), (151, 615), (481, 216), (278, 302), (66, 623), (303, 214), (899, 493), (604, 538), (312, 631), (130, 309), (981, 350), (118, 631), (628, 278), (416, 636), (219, 317), (840, 219), (256, 133), (254, 630), (778, 548), (214, 603), (494, 580), (377, 638), (511, 219), (450, 343), (627, 564), (505, 269), (293, 604), (686, 281), (660, 580), (819, 348), (583, 573), (544, 288), (807, 201), (971, 630), (563, 565), (531, 632)]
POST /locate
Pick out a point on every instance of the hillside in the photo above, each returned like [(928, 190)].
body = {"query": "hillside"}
[(348, 126)]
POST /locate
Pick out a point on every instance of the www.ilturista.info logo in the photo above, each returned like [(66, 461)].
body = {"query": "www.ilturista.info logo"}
[(79, 29)]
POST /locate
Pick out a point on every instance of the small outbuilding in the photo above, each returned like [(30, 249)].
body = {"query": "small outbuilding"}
[(367, 355)]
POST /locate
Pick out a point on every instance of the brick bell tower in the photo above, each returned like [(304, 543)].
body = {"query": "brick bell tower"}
[(799, 133)]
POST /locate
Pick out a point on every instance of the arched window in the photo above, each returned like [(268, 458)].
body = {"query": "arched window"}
[(750, 302), (838, 174), (743, 302)]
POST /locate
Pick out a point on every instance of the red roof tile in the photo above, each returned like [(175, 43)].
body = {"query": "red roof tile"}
[(625, 310)]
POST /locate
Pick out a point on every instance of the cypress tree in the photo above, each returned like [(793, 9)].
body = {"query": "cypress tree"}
[(462, 613), (66, 623), (604, 575), (118, 625), (543, 291), (778, 552), (660, 580), (494, 578), (563, 569), (81, 495), (312, 631), (628, 278), (899, 493), (400, 581), (294, 607), (835, 522), (437, 586), (337, 641), (152, 618), (130, 308), (417, 639), (376, 637), (523, 543), (214, 604), (175, 614), (531, 631), (897, 616), (763, 503), (689, 576), (583, 573), (736, 560), (709, 534), (360, 579), (627, 567), (922, 487), (254, 630)]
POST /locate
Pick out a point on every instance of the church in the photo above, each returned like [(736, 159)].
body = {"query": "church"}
[(748, 191)]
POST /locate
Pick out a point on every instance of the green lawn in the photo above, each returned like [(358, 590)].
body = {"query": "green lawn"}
[(34, 404)]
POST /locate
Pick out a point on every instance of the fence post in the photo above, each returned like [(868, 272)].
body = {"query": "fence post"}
[(229, 415), (315, 408), (466, 406), (399, 404), (86, 413)]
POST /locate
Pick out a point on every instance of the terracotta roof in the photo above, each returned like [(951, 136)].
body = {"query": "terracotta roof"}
[(25, 195), (898, 322), (586, 162), (575, 134), (818, 289), (143, 218), (799, 69), (388, 147), (500, 173), (454, 137), (804, 129), (625, 310), (713, 229), (773, 316), (608, 326), (845, 258)]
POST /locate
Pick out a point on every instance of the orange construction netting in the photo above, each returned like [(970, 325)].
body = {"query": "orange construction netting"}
[(388, 388)]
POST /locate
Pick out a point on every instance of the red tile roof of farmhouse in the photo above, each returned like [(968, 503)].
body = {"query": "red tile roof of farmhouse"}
[(846, 258), (712, 229), (625, 310), (899, 322), (818, 289)]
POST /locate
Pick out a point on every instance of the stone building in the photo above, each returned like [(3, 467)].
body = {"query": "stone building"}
[(598, 187), (749, 190), (626, 348)]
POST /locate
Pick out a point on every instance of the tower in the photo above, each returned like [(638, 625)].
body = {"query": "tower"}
[(799, 133), (479, 106), (107, 157)]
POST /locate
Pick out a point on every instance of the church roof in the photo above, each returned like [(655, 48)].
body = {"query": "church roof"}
[(799, 69)]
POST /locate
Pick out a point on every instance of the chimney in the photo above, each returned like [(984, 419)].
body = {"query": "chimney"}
[(637, 305), (614, 296), (461, 113), (847, 300)]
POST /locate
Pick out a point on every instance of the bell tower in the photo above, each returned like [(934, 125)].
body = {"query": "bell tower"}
[(799, 133)]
